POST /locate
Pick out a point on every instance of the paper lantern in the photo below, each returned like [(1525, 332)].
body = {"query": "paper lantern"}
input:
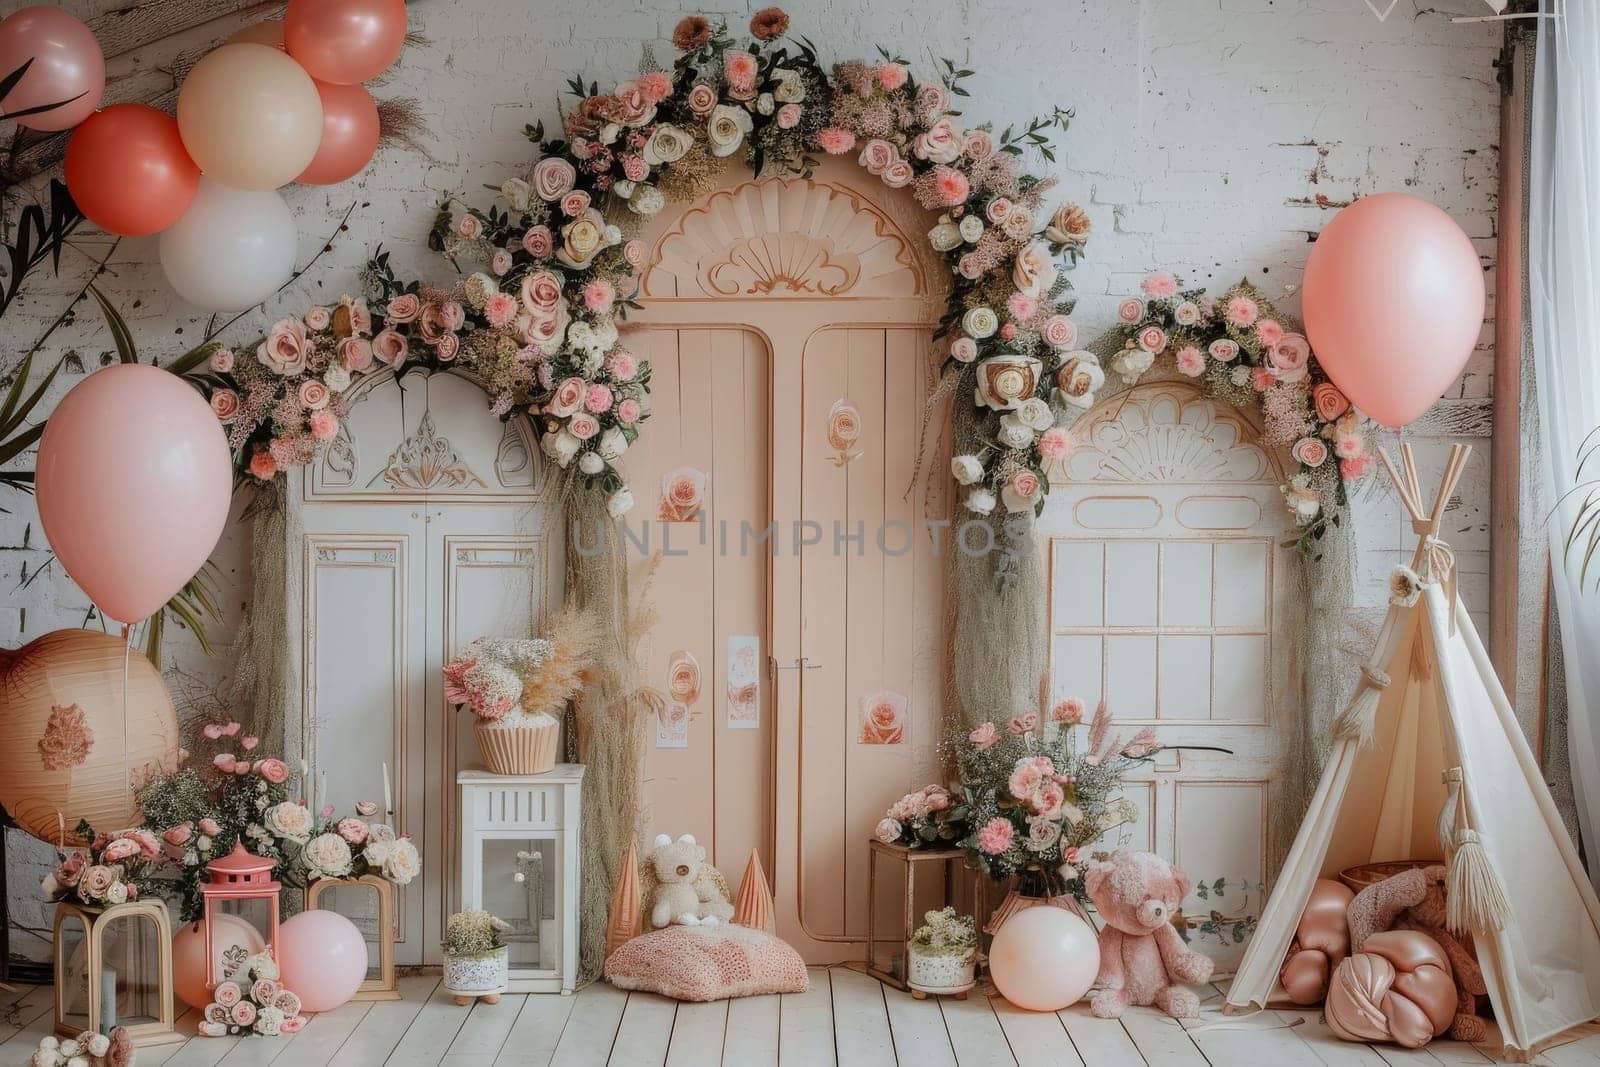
[(235, 880), (61, 733)]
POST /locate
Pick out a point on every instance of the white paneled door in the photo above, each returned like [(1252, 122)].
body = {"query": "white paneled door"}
[(1167, 590), (421, 528)]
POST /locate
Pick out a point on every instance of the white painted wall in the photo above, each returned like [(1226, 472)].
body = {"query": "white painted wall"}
[(1212, 139)]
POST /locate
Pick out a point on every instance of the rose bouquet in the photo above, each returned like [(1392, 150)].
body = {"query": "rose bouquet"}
[(88, 1049), (922, 819), (1244, 352), (114, 869), (351, 847), (252, 1001), (1032, 800)]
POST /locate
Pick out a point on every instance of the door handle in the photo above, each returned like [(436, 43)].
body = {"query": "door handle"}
[(801, 664)]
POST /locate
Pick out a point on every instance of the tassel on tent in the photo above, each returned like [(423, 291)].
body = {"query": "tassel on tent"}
[(1447, 815), (1359, 720), (1475, 902)]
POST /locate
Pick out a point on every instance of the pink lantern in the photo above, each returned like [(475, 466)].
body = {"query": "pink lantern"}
[(239, 876)]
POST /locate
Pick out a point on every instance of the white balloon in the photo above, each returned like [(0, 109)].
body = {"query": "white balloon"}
[(232, 249)]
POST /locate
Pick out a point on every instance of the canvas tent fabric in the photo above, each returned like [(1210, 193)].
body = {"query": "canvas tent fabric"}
[(1439, 708)]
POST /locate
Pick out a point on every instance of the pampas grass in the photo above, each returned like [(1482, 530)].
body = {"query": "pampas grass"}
[(574, 637)]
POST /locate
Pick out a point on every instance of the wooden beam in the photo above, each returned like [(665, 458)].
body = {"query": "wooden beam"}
[(132, 25)]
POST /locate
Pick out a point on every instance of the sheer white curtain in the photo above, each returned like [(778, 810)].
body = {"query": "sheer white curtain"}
[(1564, 292)]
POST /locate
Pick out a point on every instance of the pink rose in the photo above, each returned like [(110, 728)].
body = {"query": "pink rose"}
[(1242, 312), (262, 466), (71, 869), (538, 242), (568, 398), (632, 104), (876, 155), (1349, 445), (1055, 443), (1059, 332), (891, 76), (210, 827), (1190, 361), (1270, 331), (995, 836), (178, 835), (1025, 724), (1048, 799), (366, 808), (835, 141), (292, 1025), (356, 352), (598, 296), (583, 426), (1310, 452), (469, 226), (242, 1013), (1160, 285), (352, 830), (702, 99), (500, 263), (963, 350), (635, 169), (997, 210), (939, 143), (313, 394), (575, 203), (898, 174), (317, 319), (541, 292), (628, 412), (1289, 356), (1355, 467), (225, 405), (633, 254), (227, 994), (1224, 351), (932, 99), (390, 348), (553, 178), (1068, 711), (1262, 378), (598, 398), (286, 347), (1328, 402), (264, 991), (324, 425), (978, 145), (621, 365), (500, 310), (404, 308), (222, 360), (273, 770), (119, 850), (360, 315), (788, 116), (446, 347), (1008, 332), (249, 743), (1130, 310), (224, 761), (970, 267), (1153, 339), (984, 736), (887, 831)]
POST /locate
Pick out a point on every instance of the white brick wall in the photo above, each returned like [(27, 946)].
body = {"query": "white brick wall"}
[(1212, 138)]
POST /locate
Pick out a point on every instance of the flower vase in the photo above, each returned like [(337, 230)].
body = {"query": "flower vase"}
[(481, 974), (520, 743), (946, 974)]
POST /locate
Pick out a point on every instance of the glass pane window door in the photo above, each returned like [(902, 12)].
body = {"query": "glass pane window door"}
[(519, 886)]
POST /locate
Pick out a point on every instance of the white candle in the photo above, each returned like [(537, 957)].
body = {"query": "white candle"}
[(388, 800)]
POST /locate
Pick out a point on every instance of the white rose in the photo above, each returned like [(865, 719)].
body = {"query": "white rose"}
[(517, 193), (765, 104), (613, 443), (69, 1047), (1014, 433), (620, 503), (971, 229), (623, 188), (404, 863), (580, 336), (336, 378), (945, 236), (561, 446), (117, 893), (646, 200), (610, 132), (288, 820), (667, 144), (980, 502), (980, 322), (1131, 363), (966, 469), (78, 1061), (791, 89), (726, 129), (99, 1044), (1036, 414), (45, 1057), (328, 855), (613, 235), (591, 463)]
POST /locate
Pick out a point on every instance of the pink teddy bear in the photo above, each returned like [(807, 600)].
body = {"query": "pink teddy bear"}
[(1142, 958)]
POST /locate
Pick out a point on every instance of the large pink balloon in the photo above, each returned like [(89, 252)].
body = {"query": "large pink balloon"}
[(322, 957), (1393, 301), (1044, 958), (345, 41), (67, 66), (189, 971), (349, 134), (134, 480)]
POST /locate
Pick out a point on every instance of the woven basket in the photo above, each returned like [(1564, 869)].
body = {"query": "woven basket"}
[(518, 749)]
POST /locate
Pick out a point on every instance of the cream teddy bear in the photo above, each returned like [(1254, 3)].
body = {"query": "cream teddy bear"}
[(681, 887)]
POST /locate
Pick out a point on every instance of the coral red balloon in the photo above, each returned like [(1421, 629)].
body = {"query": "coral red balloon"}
[(349, 134), (128, 170), (1393, 301), (345, 41), (68, 67)]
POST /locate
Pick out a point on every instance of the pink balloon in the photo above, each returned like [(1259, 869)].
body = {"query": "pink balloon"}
[(349, 134), (134, 480), (322, 957), (189, 972), (1044, 958), (1393, 301), (67, 66), (345, 41)]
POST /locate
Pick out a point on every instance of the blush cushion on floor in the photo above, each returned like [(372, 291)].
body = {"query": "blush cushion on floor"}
[(707, 963)]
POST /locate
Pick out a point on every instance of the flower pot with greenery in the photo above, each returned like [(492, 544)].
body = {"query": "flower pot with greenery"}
[(476, 962), (943, 955)]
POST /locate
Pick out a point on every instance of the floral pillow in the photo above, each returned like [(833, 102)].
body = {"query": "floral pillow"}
[(707, 963)]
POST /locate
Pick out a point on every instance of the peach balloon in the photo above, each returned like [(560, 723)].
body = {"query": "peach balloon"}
[(67, 68), (322, 957), (269, 33), (128, 170), (345, 41), (189, 970), (134, 480), (1393, 302), (1044, 958), (250, 116), (349, 134)]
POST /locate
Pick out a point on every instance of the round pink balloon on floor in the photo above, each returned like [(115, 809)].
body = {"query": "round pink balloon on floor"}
[(134, 479), (68, 67), (1393, 302), (1044, 958), (189, 971), (322, 957)]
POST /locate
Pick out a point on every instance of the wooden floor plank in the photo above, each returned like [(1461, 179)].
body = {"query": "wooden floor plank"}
[(645, 1031), (1099, 1041), (1161, 1038), (1457, 1052), (1328, 1046), (1405, 1057), (751, 1039), (22, 1012), (480, 1038), (975, 1032), (381, 1029), (426, 1040), (157, 1055), (920, 1039), (1264, 1037), (203, 1051), (1037, 1038), (591, 1028), (699, 1030), (1583, 1052), (860, 1021), (805, 1024), (533, 1038)]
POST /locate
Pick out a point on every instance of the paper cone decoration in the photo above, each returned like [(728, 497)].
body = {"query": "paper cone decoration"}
[(626, 907), (753, 908)]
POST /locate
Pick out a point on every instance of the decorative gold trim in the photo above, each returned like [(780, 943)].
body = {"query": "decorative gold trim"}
[(425, 461), (383, 987)]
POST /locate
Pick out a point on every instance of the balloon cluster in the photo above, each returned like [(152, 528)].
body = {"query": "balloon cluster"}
[(279, 102)]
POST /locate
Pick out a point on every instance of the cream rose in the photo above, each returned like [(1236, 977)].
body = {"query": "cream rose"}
[(327, 856), (286, 347), (940, 143), (560, 446), (582, 238), (1004, 382), (980, 322), (517, 193), (966, 470), (667, 144), (1035, 269), (403, 864), (726, 129), (1078, 379), (1013, 432), (945, 236), (288, 820)]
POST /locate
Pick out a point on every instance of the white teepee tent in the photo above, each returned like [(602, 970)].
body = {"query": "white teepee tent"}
[(1428, 762)]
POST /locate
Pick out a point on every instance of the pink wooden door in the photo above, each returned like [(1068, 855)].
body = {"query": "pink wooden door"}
[(787, 321)]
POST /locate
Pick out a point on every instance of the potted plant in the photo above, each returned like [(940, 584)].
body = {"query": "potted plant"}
[(943, 954), (476, 961)]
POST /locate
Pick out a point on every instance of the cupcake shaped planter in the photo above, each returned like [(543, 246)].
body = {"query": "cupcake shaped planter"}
[(476, 959), (942, 955), (519, 743)]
